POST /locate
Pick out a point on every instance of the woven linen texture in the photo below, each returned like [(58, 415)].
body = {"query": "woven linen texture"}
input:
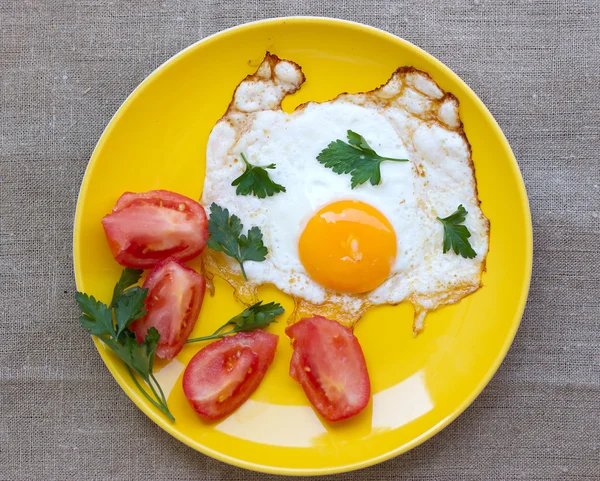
[(66, 66)]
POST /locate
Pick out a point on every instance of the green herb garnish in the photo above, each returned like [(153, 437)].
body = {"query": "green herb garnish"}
[(456, 235), (225, 235), (256, 181), (356, 158), (256, 316), (110, 325)]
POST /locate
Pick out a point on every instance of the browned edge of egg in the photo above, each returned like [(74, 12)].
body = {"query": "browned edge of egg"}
[(215, 263)]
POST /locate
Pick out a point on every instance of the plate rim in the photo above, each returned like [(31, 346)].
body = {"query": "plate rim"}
[(157, 418)]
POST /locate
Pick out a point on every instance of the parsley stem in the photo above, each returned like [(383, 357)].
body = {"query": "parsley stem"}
[(162, 394), (257, 316), (243, 271), (161, 406), (207, 338), (394, 160), (215, 335), (108, 341), (142, 390)]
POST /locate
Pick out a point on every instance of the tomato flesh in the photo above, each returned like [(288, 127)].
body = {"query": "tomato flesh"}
[(175, 295), (329, 364), (144, 229), (223, 375)]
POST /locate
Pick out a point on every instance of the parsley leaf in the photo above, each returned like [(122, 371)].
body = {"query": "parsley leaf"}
[(356, 158), (109, 324), (96, 317), (224, 231), (359, 141), (129, 277), (130, 307), (225, 235), (256, 181), (141, 356), (252, 247), (456, 235), (254, 317)]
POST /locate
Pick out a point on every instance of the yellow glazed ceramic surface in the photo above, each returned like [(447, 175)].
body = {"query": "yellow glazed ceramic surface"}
[(157, 140)]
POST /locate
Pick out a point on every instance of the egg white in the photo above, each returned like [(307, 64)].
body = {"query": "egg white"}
[(409, 117)]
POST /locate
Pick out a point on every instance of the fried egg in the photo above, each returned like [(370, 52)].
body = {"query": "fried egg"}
[(337, 250)]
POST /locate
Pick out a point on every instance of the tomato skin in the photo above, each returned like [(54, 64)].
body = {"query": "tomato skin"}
[(223, 375), (146, 228), (329, 364), (175, 295)]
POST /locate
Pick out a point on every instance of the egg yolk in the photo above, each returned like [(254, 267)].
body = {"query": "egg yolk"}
[(348, 246)]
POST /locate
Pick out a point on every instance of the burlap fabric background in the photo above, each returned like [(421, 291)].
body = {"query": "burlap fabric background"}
[(66, 66)]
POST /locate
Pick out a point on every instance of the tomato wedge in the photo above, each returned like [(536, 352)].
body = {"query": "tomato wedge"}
[(144, 229), (329, 364), (223, 375), (175, 295)]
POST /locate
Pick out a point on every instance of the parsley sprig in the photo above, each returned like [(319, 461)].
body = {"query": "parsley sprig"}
[(256, 181), (254, 317), (356, 158), (225, 235), (110, 325), (456, 235)]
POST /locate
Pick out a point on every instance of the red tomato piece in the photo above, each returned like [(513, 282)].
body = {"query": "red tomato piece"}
[(329, 364), (175, 295), (144, 229), (220, 377)]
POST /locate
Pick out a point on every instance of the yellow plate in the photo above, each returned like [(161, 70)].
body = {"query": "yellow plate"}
[(157, 140)]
